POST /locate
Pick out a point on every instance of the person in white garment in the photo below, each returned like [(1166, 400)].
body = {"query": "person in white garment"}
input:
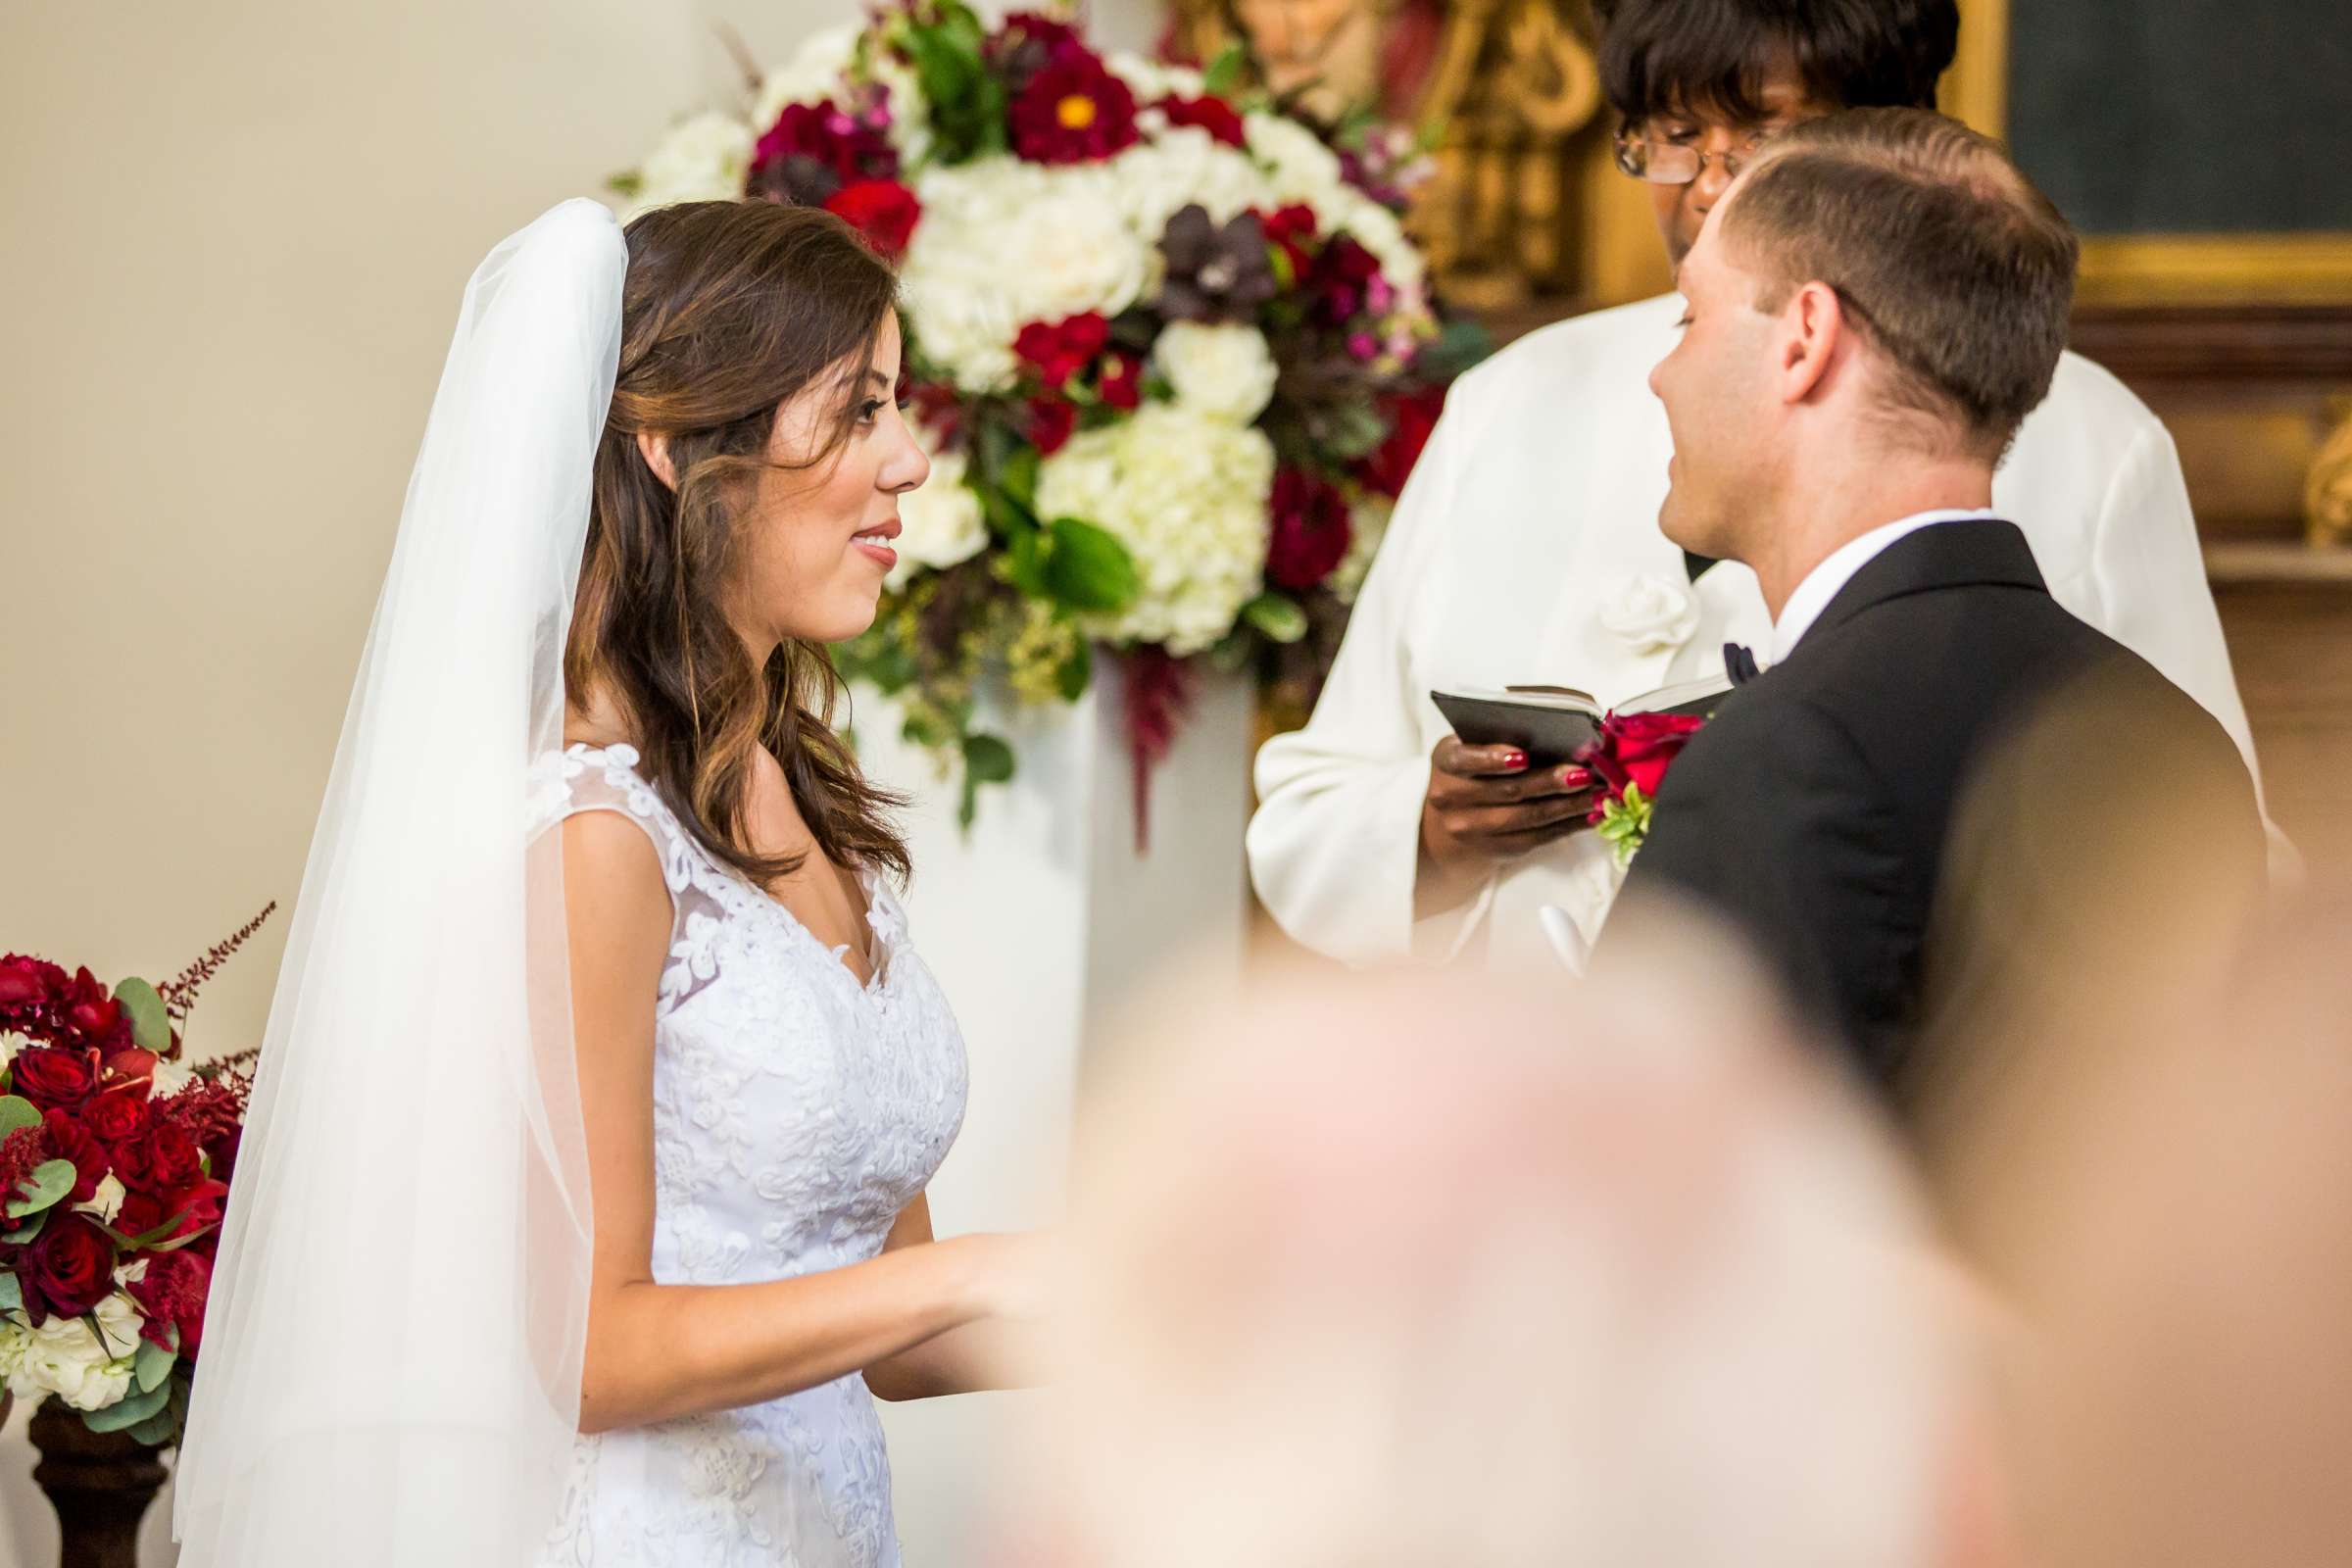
[(1526, 547)]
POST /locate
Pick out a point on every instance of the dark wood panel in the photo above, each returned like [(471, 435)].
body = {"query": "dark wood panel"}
[(2291, 644), (2215, 346)]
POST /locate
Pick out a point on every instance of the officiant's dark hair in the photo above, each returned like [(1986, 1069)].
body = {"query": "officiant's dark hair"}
[(1942, 253), (731, 310), (1709, 57)]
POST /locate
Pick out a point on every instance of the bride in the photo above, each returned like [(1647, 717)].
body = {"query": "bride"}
[(580, 1213)]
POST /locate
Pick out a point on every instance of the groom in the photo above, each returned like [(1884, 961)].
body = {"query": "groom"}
[(1873, 310)]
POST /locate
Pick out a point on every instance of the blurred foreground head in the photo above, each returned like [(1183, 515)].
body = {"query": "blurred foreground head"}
[(1413, 1271)]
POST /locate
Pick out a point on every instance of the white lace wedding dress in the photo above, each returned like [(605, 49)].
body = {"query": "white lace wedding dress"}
[(796, 1112)]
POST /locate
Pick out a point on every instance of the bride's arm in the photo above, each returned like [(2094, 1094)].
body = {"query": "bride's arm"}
[(660, 1351), (996, 1352)]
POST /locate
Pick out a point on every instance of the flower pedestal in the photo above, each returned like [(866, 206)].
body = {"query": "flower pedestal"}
[(1038, 925), (101, 1486)]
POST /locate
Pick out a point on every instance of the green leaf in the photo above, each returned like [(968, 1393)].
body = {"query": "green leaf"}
[(11, 1295), (149, 1025), (1019, 477), (1025, 562), (628, 182), (129, 1412), (1278, 619), (17, 1112), (1223, 79), (150, 1366), (1089, 570), (158, 1431), (26, 1231), (1077, 673), (987, 760), (50, 1181)]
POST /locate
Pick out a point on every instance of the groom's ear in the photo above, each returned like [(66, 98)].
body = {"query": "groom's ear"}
[(654, 447), (1813, 327)]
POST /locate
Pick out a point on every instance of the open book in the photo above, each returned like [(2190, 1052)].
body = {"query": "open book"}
[(1549, 723)]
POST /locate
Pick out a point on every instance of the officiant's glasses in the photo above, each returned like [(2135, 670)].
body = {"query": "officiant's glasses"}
[(1673, 163)]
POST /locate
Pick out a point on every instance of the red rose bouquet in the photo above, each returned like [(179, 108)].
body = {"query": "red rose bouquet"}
[(1630, 758), (114, 1163)]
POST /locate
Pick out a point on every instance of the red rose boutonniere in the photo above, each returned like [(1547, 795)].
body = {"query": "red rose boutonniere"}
[(1629, 757)]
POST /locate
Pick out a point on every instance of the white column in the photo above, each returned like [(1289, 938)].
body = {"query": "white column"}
[(1037, 924)]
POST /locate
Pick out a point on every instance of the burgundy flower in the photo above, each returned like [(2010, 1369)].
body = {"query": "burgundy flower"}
[(94, 1018), (1027, 43), (1122, 382), (1289, 231), (20, 1153), (171, 1294), (118, 1114), (1412, 418), (1342, 280), (1212, 114), (29, 989), (1073, 111), (1312, 530), (55, 1077), (1060, 350), (70, 1140), (813, 150), (884, 211), (1051, 423), (172, 1158), (68, 1269), (1635, 749), (140, 1213), (1216, 273)]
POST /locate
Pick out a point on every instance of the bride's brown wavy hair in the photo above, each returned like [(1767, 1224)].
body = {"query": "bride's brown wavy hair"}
[(731, 310)]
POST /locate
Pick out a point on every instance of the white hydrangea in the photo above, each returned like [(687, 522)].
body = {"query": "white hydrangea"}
[(1367, 524), (1187, 495), (1182, 165), (16, 1340), (819, 70), (87, 1368), (942, 521), (1298, 166), (704, 159), (1224, 372), (1149, 81), (1003, 243)]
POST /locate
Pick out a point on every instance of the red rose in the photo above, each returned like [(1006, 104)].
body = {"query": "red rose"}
[(91, 1014), (140, 1213), (29, 988), (1059, 350), (55, 1077), (1343, 277), (222, 1152), (1412, 418), (1122, 383), (1212, 114), (172, 1158), (1052, 421), (1288, 230), (68, 1269), (197, 1206), (118, 1115), (1635, 749), (1312, 529), (884, 211), (1072, 112), (69, 1138)]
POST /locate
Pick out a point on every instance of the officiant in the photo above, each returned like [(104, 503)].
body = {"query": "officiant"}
[(1526, 547)]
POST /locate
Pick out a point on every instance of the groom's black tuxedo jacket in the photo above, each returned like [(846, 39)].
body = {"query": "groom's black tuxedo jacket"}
[(1814, 810)]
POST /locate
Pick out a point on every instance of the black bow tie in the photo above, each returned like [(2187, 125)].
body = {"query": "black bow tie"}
[(1738, 663)]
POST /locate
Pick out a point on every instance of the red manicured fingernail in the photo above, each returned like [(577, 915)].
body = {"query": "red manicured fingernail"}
[(1576, 778), (1514, 760)]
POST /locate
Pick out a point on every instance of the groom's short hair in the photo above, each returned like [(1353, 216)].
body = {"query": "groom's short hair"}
[(1957, 269), (1710, 56)]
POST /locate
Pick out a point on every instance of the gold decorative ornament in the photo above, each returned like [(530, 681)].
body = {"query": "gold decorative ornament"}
[(2327, 488)]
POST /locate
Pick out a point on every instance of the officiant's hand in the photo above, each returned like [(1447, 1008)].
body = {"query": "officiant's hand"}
[(1486, 805)]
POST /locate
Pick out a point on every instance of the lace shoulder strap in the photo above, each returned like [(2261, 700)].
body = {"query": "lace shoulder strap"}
[(603, 778)]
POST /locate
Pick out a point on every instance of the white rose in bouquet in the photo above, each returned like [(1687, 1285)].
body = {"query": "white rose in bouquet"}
[(1003, 243), (1298, 166), (702, 159), (107, 1202), (88, 1368), (11, 1043), (1224, 372), (1182, 165), (942, 522), (1187, 495), (1151, 80)]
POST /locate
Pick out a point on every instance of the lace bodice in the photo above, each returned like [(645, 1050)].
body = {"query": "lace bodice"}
[(796, 1112)]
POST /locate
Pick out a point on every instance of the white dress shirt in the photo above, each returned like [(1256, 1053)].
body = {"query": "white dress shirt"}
[(1824, 582), (1526, 548)]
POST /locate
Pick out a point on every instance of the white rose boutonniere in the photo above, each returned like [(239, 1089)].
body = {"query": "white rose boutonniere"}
[(1653, 615)]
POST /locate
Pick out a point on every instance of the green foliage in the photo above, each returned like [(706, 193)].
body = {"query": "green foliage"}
[(1624, 825), (987, 760), (132, 1410), (149, 1025), (1086, 568), (50, 1181), (17, 1112), (968, 103), (1226, 73), (1276, 617), (11, 1295), (150, 1366)]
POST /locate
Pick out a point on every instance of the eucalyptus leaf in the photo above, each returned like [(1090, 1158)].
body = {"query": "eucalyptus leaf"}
[(1077, 673), (17, 1112), (1278, 619), (129, 1412), (26, 1231), (11, 1295), (158, 1431), (149, 1025), (1089, 570), (150, 1366), (51, 1180), (987, 760)]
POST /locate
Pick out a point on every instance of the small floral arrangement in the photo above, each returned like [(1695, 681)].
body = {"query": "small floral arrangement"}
[(114, 1163), (1630, 758), (1169, 347)]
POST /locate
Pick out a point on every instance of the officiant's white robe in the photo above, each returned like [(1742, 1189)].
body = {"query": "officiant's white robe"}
[(1526, 548)]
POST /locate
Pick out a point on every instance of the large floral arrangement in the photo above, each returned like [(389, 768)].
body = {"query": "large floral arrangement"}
[(1169, 346), (114, 1163)]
